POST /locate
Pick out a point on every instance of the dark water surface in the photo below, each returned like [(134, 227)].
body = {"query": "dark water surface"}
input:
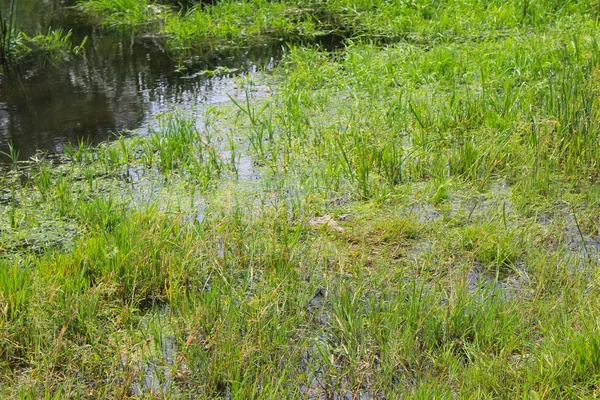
[(119, 85)]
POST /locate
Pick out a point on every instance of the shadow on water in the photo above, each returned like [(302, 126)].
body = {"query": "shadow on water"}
[(118, 85)]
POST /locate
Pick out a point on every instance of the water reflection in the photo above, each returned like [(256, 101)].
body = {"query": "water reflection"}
[(117, 86)]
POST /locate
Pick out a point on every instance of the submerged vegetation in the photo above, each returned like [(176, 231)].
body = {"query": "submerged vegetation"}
[(411, 219)]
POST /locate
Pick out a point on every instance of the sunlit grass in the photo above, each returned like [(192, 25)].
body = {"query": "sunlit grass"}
[(420, 221)]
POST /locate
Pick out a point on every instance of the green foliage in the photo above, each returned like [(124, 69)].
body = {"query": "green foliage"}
[(415, 220), (9, 35), (52, 45), (15, 46), (125, 13)]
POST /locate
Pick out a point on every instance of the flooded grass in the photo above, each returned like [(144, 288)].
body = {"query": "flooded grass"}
[(411, 220)]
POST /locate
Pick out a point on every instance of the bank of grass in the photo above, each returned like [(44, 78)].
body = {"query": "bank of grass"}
[(420, 222), (194, 27)]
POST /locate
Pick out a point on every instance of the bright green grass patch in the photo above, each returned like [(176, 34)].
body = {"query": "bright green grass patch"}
[(415, 21), (125, 13), (372, 117), (248, 289)]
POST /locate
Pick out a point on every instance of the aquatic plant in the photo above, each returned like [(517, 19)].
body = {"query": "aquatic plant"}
[(9, 35), (52, 45), (13, 155), (204, 26), (120, 14), (15, 45)]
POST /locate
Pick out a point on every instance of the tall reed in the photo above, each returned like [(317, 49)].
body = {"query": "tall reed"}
[(9, 34)]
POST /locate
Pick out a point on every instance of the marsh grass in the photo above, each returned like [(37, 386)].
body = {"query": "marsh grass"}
[(230, 22), (130, 13), (456, 170), (17, 47), (53, 45), (8, 32), (13, 155)]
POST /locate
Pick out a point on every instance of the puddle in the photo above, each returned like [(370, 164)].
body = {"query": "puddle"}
[(320, 384), (511, 284), (425, 212), (154, 376)]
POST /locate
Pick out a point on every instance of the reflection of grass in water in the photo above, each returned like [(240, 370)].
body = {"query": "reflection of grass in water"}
[(457, 180)]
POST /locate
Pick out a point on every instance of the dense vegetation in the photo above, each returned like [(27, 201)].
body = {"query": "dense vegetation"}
[(419, 218)]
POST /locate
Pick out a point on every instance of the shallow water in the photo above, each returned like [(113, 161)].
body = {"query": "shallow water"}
[(118, 85)]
